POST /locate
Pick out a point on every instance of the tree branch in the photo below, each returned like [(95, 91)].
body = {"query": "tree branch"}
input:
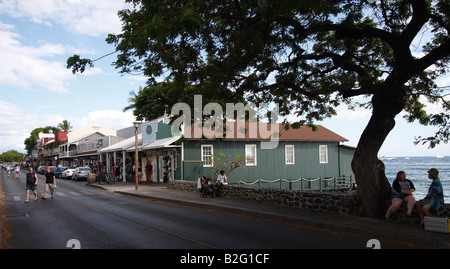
[(419, 18), (432, 57), (342, 31)]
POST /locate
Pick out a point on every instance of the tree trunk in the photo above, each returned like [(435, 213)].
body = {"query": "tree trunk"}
[(373, 186)]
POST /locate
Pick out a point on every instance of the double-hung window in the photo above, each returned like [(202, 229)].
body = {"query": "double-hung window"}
[(323, 154), (289, 154), (207, 155), (250, 155)]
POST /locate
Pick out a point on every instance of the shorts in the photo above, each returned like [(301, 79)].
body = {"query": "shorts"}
[(31, 187), (398, 196), (49, 186), (426, 205)]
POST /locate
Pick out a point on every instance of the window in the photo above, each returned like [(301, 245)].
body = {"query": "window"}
[(250, 155), (207, 155), (323, 154), (289, 154)]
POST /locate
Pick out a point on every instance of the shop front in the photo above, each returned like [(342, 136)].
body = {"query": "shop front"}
[(165, 158), (167, 165)]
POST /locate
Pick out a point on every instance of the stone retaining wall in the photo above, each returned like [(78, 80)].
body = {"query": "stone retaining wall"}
[(332, 202), (400, 215), (335, 202)]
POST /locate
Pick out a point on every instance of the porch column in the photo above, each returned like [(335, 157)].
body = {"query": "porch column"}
[(124, 174), (108, 163), (115, 158)]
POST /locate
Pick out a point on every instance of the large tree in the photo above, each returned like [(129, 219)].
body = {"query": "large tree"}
[(11, 156), (31, 141), (307, 56)]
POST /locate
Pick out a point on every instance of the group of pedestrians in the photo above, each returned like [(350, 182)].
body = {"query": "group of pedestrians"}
[(16, 171), (402, 191), (32, 181)]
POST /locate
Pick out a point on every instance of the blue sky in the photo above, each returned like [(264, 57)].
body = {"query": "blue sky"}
[(36, 89)]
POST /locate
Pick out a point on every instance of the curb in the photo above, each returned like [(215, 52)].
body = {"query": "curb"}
[(346, 224), (336, 226)]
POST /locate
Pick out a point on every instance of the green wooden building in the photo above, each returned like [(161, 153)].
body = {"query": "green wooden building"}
[(299, 154)]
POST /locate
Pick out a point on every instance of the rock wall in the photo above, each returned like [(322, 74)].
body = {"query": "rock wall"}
[(319, 201), (400, 215)]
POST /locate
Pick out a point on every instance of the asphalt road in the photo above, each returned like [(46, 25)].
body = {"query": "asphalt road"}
[(91, 218)]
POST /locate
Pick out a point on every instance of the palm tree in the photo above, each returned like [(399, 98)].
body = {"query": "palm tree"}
[(133, 99), (65, 126)]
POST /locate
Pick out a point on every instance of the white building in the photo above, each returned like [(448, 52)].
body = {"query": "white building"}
[(83, 145)]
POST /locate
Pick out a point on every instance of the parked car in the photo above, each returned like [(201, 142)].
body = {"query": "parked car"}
[(58, 171), (41, 169), (68, 172), (81, 173)]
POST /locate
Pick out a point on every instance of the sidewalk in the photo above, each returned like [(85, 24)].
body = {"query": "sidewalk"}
[(409, 235)]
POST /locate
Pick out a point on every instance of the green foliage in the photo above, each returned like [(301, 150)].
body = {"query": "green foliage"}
[(227, 161), (77, 64), (154, 100), (11, 156), (65, 126), (30, 142), (307, 56)]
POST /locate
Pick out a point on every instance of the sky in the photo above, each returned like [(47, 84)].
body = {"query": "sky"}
[(37, 90)]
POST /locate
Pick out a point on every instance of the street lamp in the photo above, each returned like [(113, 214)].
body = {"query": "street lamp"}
[(136, 127), (99, 144)]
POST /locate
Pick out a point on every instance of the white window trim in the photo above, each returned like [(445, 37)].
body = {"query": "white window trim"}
[(286, 156), (256, 155), (321, 147), (212, 154)]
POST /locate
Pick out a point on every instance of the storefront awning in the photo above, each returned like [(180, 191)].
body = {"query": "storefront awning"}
[(129, 144), (123, 145), (162, 143)]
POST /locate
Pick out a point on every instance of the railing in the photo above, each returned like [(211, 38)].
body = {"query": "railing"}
[(50, 152), (67, 153), (319, 183)]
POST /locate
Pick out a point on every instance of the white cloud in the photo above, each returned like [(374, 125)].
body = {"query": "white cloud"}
[(41, 64), (92, 71), (7, 27), (27, 66), (86, 17), (112, 119), (17, 124), (343, 113)]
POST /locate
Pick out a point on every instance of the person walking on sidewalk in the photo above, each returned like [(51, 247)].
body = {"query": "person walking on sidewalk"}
[(31, 184), (50, 183)]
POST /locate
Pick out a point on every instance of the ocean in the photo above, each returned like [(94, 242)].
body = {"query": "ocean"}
[(416, 170)]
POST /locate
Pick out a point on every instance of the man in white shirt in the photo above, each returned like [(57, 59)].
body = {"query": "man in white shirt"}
[(221, 178), (17, 171)]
